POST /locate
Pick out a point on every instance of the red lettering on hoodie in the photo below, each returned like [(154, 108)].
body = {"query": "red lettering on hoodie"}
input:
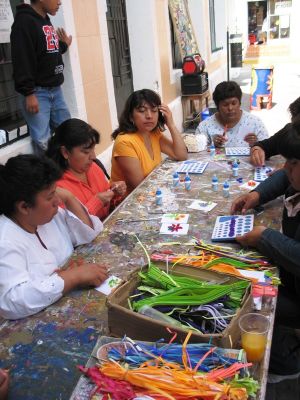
[(51, 38)]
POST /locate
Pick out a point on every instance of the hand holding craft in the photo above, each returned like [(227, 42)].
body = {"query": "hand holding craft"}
[(106, 197), (257, 156), (219, 140), (245, 202), (119, 188), (83, 275), (250, 138), (251, 239)]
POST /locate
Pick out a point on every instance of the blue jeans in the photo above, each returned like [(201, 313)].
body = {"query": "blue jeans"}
[(52, 112)]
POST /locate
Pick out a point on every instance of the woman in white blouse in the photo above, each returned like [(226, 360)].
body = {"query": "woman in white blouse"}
[(230, 126), (37, 237)]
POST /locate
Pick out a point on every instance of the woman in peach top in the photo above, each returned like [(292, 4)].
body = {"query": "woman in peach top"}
[(139, 140), (73, 148)]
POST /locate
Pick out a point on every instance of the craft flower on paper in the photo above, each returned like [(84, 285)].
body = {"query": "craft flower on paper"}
[(251, 183), (176, 217), (174, 227), (113, 282)]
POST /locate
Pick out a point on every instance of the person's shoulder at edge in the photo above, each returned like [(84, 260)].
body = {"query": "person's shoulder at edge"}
[(247, 115)]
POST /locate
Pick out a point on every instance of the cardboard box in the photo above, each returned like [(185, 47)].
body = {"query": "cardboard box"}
[(122, 320)]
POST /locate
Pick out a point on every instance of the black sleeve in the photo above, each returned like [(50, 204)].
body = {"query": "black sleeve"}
[(271, 145), (24, 59), (63, 47), (281, 249), (273, 187)]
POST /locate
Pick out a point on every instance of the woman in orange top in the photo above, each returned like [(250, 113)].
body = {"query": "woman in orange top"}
[(139, 140), (73, 148)]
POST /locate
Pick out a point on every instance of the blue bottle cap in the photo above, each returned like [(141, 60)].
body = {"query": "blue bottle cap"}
[(226, 185), (175, 175), (214, 178), (187, 177), (158, 192), (235, 165)]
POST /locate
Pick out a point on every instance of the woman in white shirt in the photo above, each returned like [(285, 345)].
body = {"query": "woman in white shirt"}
[(230, 126), (37, 237)]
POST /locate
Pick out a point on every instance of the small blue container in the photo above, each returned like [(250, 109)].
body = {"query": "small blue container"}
[(187, 182), (158, 197), (226, 189), (214, 183), (205, 114), (175, 179), (235, 169)]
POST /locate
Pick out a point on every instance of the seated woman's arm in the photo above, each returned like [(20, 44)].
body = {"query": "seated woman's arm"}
[(132, 171), (273, 187), (22, 294), (175, 148), (279, 248), (271, 145), (72, 204)]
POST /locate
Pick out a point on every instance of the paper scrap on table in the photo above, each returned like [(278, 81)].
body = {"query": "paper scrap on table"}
[(174, 229), (250, 185), (260, 275), (175, 217), (109, 285), (202, 205)]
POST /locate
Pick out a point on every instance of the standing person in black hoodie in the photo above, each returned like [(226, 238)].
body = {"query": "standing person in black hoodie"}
[(37, 50)]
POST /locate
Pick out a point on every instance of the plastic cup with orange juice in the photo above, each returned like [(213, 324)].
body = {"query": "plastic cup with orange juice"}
[(254, 330)]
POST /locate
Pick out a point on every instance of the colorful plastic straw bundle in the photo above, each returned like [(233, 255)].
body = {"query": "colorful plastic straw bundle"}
[(161, 379), (139, 353), (252, 257), (177, 295)]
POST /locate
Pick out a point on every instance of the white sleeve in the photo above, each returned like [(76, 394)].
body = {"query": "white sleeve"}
[(259, 128), (79, 232), (203, 131), (261, 131), (21, 294)]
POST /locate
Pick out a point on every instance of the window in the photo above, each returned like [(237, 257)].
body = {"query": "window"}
[(12, 124), (279, 20), (213, 33), (176, 57)]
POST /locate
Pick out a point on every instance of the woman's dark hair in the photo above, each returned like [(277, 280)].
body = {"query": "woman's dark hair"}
[(71, 133), (22, 178), (226, 90), (289, 143), (294, 108), (135, 100)]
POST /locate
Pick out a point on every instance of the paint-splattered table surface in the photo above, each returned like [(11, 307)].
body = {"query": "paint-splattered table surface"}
[(42, 351)]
